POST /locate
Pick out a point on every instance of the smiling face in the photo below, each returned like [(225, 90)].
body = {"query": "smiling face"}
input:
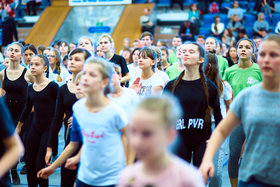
[(269, 59), (148, 134), (244, 49), (15, 53), (92, 80), (28, 54), (76, 62), (37, 66), (190, 55)]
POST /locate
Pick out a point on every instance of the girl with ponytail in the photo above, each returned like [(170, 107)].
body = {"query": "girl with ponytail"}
[(198, 97), (58, 73)]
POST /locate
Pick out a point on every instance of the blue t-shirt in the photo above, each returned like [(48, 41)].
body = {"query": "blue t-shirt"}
[(259, 112), (6, 131), (102, 156)]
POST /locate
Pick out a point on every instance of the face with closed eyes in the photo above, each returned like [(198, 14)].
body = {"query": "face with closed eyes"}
[(190, 55)]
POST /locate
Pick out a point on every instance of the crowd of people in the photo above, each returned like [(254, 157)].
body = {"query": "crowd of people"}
[(152, 115)]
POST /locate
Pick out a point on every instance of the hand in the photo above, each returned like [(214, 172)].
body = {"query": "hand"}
[(48, 156), (150, 24), (71, 163), (207, 169), (45, 173), (136, 86), (69, 122), (18, 128)]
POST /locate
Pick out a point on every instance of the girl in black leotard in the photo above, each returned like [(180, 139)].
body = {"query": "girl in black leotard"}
[(66, 99), (15, 80), (42, 96)]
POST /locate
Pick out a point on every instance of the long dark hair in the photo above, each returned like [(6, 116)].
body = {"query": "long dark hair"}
[(208, 110), (212, 72)]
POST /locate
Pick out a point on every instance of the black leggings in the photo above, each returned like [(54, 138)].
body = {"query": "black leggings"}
[(68, 177), (193, 152), (35, 157)]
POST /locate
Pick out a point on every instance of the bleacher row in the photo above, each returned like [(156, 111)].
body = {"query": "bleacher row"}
[(249, 17), (249, 20)]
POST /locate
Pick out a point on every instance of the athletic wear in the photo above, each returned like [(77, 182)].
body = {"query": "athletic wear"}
[(102, 156), (64, 104), (242, 78), (192, 128), (16, 92), (259, 111), (44, 102)]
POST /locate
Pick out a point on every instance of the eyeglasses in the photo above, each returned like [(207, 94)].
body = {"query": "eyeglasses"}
[(52, 56)]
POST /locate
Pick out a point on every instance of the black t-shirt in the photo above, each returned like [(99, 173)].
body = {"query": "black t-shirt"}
[(44, 103), (6, 131), (117, 59), (64, 103), (193, 101)]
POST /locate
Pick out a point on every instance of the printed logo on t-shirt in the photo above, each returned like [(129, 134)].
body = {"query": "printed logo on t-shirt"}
[(145, 91), (251, 80), (180, 125), (91, 137), (196, 123)]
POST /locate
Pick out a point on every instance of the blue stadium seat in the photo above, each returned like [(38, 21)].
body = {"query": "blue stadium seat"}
[(205, 32), (275, 19), (250, 5), (243, 4), (226, 4), (249, 32), (224, 19), (208, 19), (249, 20), (189, 2), (164, 2), (268, 19)]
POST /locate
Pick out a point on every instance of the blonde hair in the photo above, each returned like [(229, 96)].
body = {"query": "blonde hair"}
[(167, 105), (78, 78), (57, 63), (108, 37), (105, 68)]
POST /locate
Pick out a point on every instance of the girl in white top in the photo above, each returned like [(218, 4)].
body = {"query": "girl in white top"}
[(151, 131), (97, 122), (217, 28), (58, 73), (159, 69), (133, 68), (148, 82)]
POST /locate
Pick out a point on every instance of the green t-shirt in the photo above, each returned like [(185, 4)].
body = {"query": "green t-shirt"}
[(242, 78), (223, 64), (172, 58), (173, 71)]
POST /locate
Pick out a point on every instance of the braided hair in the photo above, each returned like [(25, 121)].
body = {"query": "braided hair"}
[(208, 110)]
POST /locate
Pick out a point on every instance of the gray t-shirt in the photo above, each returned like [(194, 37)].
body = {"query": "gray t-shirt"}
[(259, 112)]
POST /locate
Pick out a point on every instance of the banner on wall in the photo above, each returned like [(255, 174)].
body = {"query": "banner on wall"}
[(98, 2)]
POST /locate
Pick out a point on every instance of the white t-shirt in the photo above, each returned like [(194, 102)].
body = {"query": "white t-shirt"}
[(163, 76), (133, 70), (102, 156), (148, 85), (64, 74), (127, 100)]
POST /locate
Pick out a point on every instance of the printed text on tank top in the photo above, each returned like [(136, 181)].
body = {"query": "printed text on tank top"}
[(193, 123)]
